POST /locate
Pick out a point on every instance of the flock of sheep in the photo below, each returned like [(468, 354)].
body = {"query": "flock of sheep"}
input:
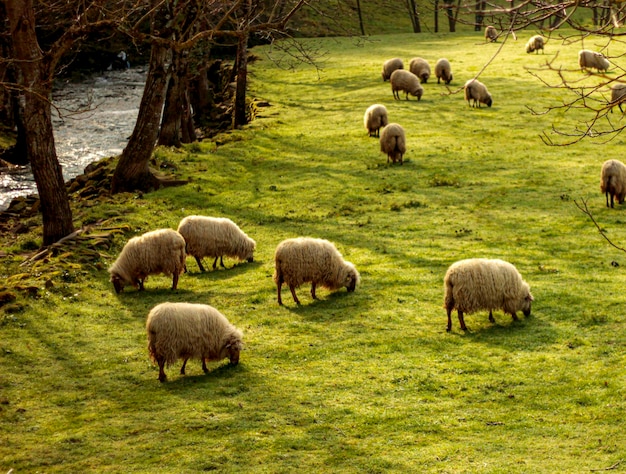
[(184, 330)]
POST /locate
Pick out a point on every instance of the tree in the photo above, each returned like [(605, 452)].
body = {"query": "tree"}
[(236, 20), (36, 71)]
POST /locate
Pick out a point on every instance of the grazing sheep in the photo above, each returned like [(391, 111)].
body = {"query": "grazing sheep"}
[(590, 59), (613, 181), (406, 81), (305, 259), (159, 251), (491, 34), (618, 95), (485, 284), (420, 68), (393, 142), (186, 331), (443, 71), (375, 118), (215, 237), (535, 43), (477, 91), (391, 65)]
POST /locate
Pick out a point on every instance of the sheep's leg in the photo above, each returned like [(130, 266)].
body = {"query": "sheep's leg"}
[(463, 326), (279, 285), (607, 198), (491, 317), (401, 158), (515, 318), (182, 368), (199, 262), (161, 362), (175, 281), (449, 328), (313, 291), (612, 200), (293, 293), (215, 263), (222, 262), (140, 282), (204, 367)]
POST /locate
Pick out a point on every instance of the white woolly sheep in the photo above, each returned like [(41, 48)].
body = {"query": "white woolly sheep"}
[(159, 251), (391, 65), (190, 331), (485, 284), (393, 142), (318, 261), (215, 237), (420, 68), (534, 44), (407, 82), (613, 181), (375, 118), (477, 92), (491, 34), (618, 96), (590, 59), (443, 71)]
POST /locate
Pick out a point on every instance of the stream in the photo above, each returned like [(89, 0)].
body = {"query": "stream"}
[(92, 119)]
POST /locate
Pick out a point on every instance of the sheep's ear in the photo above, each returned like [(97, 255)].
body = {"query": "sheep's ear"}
[(529, 297)]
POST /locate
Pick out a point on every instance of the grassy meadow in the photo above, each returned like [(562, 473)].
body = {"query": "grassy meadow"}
[(368, 381)]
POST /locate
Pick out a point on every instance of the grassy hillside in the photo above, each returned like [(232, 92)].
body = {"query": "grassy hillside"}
[(368, 381)]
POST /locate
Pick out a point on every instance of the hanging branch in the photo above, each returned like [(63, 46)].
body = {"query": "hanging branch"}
[(585, 210)]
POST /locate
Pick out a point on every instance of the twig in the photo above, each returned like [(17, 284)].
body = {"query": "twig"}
[(586, 210), (44, 252), (610, 468)]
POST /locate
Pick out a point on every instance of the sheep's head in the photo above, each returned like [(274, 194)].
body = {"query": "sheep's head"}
[(489, 101), (118, 283), (250, 251), (233, 348), (526, 302), (352, 277)]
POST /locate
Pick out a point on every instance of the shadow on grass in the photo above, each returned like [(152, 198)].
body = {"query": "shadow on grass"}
[(528, 334)]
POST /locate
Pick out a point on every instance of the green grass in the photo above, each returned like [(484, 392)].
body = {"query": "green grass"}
[(355, 382)]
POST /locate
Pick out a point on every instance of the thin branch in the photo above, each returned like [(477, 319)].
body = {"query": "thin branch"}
[(585, 210)]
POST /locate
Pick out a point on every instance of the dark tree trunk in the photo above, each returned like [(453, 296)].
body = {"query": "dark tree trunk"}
[(188, 129), (479, 16), (172, 112), (358, 9), (414, 15), (36, 77), (242, 79), (436, 16), (132, 172), (451, 17)]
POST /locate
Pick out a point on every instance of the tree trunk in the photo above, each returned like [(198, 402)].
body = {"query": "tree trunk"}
[(436, 16), (132, 172), (242, 78), (358, 9), (35, 76), (413, 14), (172, 112), (451, 18)]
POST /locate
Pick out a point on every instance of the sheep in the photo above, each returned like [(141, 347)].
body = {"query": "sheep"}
[(375, 118), (406, 81), (535, 43), (613, 181), (491, 34), (420, 68), (215, 237), (391, 65), (393, 142), (155, 252), (485, 284), (305, 259), (477, 91), (588, 59), (443, 70), (186, 330), (618, 95)]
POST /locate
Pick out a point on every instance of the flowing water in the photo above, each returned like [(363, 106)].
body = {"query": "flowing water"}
[(91, 119)]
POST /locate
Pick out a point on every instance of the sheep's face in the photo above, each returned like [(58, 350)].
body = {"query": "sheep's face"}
[(352, 279), (118, 283), (488, 102), (232, 350)]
